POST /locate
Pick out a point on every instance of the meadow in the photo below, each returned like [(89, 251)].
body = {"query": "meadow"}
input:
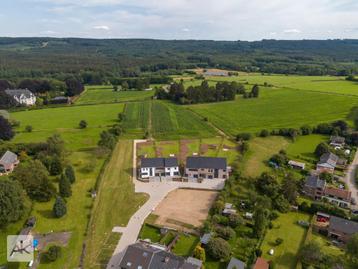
[(276, 108), (106, 94)]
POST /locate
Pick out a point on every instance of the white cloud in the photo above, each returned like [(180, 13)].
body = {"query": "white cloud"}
[(185, 30), (101, 27), (292, 31)]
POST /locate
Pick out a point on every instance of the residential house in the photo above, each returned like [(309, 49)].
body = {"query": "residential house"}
[(297, 165), (236, 264), (216, 73), (314, 187), (60, 100), (205, 238), (22, 96), (261, 263), (327, 163), (335, 228), (338, 197), (337, 141), (198, 168), (144, 255), (8, 162), (152, 169)]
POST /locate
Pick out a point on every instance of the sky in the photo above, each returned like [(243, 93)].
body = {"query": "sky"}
[(181, 19)]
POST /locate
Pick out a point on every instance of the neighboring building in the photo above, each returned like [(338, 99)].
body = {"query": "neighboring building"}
[(337, 141), (334, 227), (8, 162), (22, 96), (297, 165), (228, 210), (216, 73), (198, 168), (314, 187), (338, 197), (60, 100), (148, 256), (205, 238), (261, 263), (236, 264), (327, 163), (159, 169)]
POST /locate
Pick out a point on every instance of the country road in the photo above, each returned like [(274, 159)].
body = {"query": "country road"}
[(350, 179)]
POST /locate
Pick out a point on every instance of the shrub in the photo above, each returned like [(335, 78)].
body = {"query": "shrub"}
[(235, 220), (225, 232), (83, 124), (53, 253), (264, 133), (279, 241), (59, 207), (28, 128), (199, 253), (219, 249), (243, 137)]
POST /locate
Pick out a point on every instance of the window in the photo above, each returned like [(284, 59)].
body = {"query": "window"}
[(193, 170), (195, 176), (210, 170), (167, 174), (176, 173)]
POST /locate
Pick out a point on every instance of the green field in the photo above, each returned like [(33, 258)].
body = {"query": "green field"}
[(136, 115), (115, 180), (106, 94), (64, 121), (276, 108), (293, 235)]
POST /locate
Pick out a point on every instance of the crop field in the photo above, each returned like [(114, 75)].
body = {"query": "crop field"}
[(64, 121), (106, 94), (136, 115), (276, 108)]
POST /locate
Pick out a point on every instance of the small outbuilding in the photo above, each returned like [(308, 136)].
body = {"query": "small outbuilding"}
[(236, 264)]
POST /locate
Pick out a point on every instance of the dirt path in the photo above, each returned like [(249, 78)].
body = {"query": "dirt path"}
[(349, 179)]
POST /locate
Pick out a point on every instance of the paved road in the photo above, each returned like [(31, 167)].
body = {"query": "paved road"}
[(157, 191), (350, 179)]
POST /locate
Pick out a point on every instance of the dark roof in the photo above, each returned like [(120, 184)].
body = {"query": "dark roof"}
[(159, 162), (235, 263), (146, 256), (337, 139), (206, 162), (59, 98), (18, 92), (343, 225), (8, 158), (328, 158), (314, 182)]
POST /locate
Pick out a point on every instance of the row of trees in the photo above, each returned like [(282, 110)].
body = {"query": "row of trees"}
[(204, 93)]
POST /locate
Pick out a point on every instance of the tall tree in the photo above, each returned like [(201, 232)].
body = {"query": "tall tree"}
[(352, 249), (64, 186), (70, 174), (310, 253), (6, 132), (107, 140), (260, 222), (6, 101), (255, 91), (11, 202), (55, 166), (59, 208), (289, 188)]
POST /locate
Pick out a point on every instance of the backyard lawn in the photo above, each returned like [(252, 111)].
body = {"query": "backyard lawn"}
[(304, 146), (293, 235)]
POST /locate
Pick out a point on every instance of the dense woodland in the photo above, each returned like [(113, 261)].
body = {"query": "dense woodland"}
[(97, 60)]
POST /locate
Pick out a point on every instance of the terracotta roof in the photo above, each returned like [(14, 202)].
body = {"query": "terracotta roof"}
[(261, 263), (339, 193)]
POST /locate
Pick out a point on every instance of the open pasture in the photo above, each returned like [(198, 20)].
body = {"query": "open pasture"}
[(276, 108), (106, 94), (182, 206)]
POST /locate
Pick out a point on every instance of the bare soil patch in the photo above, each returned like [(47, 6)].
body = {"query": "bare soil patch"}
[(184, 209)]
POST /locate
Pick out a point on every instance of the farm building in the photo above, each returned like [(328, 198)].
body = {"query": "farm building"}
[(297, 165), (22, 96), (153, 169), (199, 168), (8, 162), (149, 256)]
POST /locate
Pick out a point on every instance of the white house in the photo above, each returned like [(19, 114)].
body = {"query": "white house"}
[(153, 169), (22, 96)]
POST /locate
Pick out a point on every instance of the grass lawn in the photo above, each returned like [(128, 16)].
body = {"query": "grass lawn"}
[(185, 245), (116, 191), (276, 108), (105, 94), (304, 146), (293, 235), (150, 232), (326, 246), (260, 151), (64, 121)]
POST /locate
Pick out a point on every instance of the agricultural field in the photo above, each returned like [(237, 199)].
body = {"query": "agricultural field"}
[(64, 121), (137, 116), (212, 147), (116, 179), (293, 236), (106, 94), (276, 108)]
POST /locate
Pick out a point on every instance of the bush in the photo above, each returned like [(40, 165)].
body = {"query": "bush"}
[(199, 253), (59, 207), (28, 128), (235, 220), (225, 232), (220, 219), (243, 137), (53, 253), (264, 133), (83, 124), (219, 249), (278, 241), (70, 174)]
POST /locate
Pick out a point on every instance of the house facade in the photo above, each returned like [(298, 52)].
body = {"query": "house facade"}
[(157, 169), (314, 187), (22, 96), (327, 163), (337, 141), (339, 197), (144, 255), (199, 168), (8, 162)]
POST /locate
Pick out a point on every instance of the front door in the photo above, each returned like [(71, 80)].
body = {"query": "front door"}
[(216, 173)]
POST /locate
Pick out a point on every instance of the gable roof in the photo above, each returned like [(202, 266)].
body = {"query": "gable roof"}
[(19, 92), (315, 182), (159, 162), (328, 159), (261, 263), (337, 139), (343, 194), (235, 263), (206, 162), (8, 158), (346, 226)]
